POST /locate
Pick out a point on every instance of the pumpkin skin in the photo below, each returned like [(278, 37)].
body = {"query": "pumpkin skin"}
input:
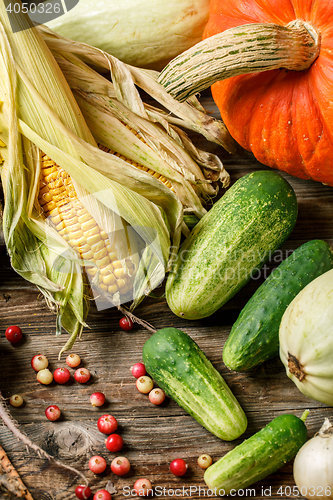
[(284, 117)]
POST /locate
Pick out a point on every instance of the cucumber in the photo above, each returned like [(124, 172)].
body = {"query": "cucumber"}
[(260, 455), (229, 243), (254, 337), (182, 370)]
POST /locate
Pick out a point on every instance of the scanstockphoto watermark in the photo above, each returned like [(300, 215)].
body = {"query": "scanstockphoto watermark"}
[(239, 263), (190, 491), (39, 12)]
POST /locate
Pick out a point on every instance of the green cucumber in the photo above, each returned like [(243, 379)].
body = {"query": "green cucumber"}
[(182, 370), (230, 243), (254, 337), (258, 456)]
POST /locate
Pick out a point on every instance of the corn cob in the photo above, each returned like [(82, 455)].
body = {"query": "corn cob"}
[(59, 202)]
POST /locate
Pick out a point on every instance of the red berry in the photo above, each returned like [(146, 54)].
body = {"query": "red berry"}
[(107, 424), (178, 467), (97, 399), (126, 324), (102, 495), (114, 443), (44, 376), (82, 375), (156, 396), (73, 360), (138, 370), (144, 384), (143, 487), (13, 334), (97, 464), (39, 362), (61, 375), (83, 492), (120, 466), (52, 413)]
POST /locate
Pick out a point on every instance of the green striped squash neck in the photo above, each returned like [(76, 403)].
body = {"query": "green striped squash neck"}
[(249, 48)]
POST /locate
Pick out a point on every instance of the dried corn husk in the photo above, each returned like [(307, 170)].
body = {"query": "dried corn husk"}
[(39, 113)]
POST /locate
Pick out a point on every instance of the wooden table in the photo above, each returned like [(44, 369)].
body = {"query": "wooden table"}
[(153, 436)]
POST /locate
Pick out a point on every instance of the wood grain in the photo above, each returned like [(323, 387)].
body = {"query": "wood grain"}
[(153, 436)]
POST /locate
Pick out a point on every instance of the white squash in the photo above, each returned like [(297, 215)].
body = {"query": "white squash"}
[(144, 33), (306, 339)]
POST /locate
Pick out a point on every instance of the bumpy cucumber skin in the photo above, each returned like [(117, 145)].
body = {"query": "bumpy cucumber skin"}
[(182, 370), (254, 337), (232, 240), (260, 455)]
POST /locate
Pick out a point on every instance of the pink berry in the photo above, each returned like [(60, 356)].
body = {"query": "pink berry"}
[(16, 400), (144, 384), (107, 424), (97, 464), (83, 492), (97, 399), (156, 396), (138, 370), (178, 467), (126, 324), (120, 466), (73, 360), (82, 375), (114, 443), (143, 487), (102, 495), (52, 413), (44, 376), (13, 334), (39, 362), (61, 375), (205, 461)]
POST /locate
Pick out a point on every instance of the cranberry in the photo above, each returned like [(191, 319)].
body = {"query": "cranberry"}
[(83, 492), (16, 400), (97, 399), (120, 466), (39, 362), (45, 376), (52, 413), (143, 487), (138, 370), (114, 443), (144, 384), (82, 375), (61, 375), (102, 495), (13, 334), (107, 424), (178, 467), (73, 360), (126, 324), (156, 396), (97, 464), (205, 461)]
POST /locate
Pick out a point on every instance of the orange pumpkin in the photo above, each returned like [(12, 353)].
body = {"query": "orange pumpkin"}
[(284, 117)]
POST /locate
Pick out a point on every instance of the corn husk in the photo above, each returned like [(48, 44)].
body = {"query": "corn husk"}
[(39, 113)]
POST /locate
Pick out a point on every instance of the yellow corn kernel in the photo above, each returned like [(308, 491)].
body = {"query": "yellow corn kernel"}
[(119, 272), (112, 289), (117, 264), (102, 262), (106, 270), (109, 279)]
